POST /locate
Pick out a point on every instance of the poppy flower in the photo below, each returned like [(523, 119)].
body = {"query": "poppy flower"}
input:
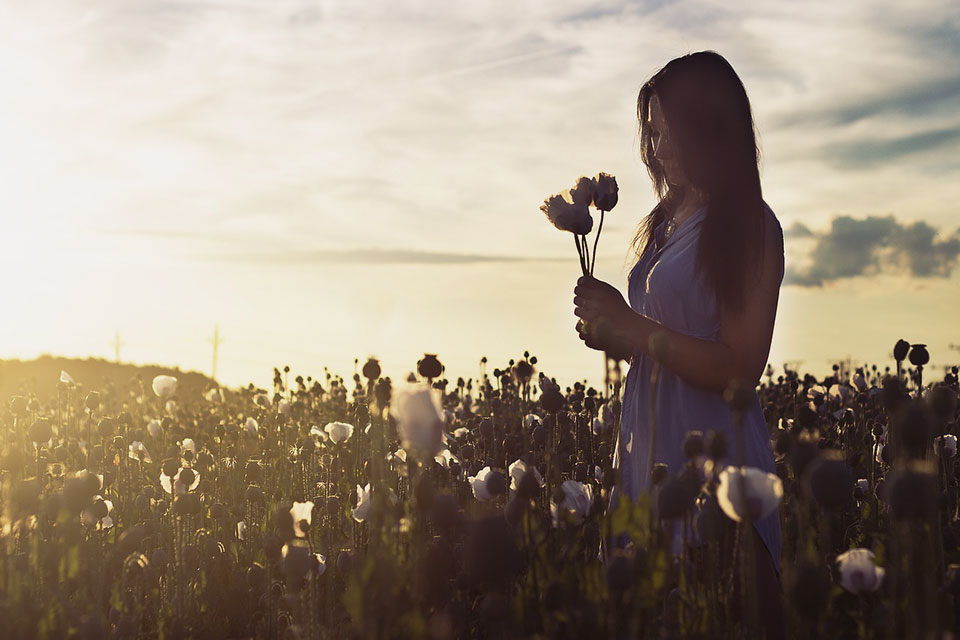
[(164, 386), (761, 492), (858, 573)]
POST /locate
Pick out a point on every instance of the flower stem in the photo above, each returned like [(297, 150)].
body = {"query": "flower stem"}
[(583, 266), (586, 254), (599, 229)]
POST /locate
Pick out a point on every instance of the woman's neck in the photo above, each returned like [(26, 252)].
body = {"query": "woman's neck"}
[(687, 207)]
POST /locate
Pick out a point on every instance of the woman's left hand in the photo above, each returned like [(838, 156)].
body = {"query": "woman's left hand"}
[(595, 299)]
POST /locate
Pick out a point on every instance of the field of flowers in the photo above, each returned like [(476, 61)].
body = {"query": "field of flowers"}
[(428, 508)]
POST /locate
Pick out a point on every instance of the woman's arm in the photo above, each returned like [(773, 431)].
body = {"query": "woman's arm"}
[(744, 342)]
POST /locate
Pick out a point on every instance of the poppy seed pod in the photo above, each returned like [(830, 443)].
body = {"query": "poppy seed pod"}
[(693, 444), (40, 430), (551, 400), (609, 478), (170, 467), (105, 427), (659, 473), (92, 401), (383, 391), (429, 366), (829, 480), (674, 498), (911, 491), (913, 427), (254, 494), (256, 577), (187, 504), (709, 521), (159, 559), (919, 356), (371, 369), (801, 454), (716, 444), (900, 350), (943, 402)]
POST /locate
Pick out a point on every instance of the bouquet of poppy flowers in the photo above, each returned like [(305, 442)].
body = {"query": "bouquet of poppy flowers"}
[(569, 210)]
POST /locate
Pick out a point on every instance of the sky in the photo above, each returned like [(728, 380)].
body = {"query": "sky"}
[(331, 180)]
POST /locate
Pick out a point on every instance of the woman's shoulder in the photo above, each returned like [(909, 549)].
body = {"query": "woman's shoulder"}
[(772, 216), (773, 236)]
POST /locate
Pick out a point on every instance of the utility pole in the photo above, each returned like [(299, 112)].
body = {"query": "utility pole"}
[(116, 346), (216, 340)]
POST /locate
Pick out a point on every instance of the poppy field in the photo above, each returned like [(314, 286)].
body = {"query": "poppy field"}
[(423, 507)]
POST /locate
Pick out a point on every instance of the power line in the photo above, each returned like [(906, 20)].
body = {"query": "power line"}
[(216, 340), (116, 346)]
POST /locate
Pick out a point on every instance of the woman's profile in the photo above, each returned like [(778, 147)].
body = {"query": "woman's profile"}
[(707, 278)]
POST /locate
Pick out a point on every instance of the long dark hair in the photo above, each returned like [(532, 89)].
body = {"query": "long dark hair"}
[(710, 122)]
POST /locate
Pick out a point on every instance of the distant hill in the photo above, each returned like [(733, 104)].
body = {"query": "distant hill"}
[(40, 376)]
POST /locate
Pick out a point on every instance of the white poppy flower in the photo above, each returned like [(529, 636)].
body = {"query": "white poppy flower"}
[(445, 457), (153, 428), (841, 392), (188, 445), (339, 431), (578, 498), (139, 452), (251, 426), (517, 470), (879, 455), (597, 426), (301, 511), (364, 503), (479, 484), (66, 378), (859, 382), (531, 420), (460, 432), (241, 530), (164, 386), (284, 407), (321, 564), (762, 492), (858, 573), (948, 442), (214, 395), (89, 519), (419, 419), (567, 215), (174, 486)]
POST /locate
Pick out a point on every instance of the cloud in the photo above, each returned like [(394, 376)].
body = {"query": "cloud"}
[(798, 230), (376, 256), (871, 152), (862, 247), (905, 99)]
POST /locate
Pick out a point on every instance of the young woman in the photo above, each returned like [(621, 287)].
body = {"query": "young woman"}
[(707, 278)]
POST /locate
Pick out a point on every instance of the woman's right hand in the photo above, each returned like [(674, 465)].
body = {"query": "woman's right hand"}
[(598, 335)]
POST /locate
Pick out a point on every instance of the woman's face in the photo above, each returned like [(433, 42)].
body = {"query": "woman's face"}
[(663, 148)]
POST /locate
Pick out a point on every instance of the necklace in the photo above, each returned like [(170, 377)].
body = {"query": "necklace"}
[(669, 227)]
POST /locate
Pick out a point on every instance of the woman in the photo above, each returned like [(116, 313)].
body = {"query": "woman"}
[(707, 279)]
